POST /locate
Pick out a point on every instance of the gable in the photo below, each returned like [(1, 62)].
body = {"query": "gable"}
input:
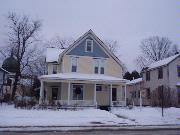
[(79, 50)]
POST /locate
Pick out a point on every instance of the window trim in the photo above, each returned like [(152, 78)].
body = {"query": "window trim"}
[(160, 76), (53, 68), (148, 76), (73, 90), (100, 65), (92, 44), (76, 64), (178, 72)]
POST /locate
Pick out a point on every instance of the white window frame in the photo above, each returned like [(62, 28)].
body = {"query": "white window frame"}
[(73, 89), (54, 68), (100, 65), (87, 40), (76, 63)]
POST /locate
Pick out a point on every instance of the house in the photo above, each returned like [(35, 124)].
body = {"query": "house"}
[(163, 77), (86, 74), (3, 78), (135, 89)]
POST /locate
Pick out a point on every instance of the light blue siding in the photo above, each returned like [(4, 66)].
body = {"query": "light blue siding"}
[(80, 50)]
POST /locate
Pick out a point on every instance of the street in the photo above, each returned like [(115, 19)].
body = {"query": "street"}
[(149, 132)]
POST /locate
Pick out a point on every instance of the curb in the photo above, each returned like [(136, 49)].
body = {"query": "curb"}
[(88, 128)]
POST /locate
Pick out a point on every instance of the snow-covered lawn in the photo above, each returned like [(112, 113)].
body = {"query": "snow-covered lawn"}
[(9, 116), (149, 115)]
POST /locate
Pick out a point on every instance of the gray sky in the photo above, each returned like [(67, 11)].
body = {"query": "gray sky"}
[(127, 21)]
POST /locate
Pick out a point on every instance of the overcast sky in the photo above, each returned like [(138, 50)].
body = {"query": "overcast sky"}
[(127, 21)]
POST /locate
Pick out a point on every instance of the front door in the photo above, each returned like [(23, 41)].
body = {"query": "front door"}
[(114, 94), (54, 93)]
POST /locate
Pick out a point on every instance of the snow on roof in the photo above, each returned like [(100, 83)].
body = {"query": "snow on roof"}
[(52, 54), (134, 81), (163, 62), (82, 77)]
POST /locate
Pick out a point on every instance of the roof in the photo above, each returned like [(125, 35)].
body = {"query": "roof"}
[(4, 70), (52, 54), (83, 77), (90, 32), (135, 81), (163, 62)]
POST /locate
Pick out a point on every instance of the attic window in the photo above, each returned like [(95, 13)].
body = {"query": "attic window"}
[(89, 45)]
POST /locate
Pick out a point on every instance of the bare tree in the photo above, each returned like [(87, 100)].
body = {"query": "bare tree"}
[(59, 42), (112, 45), (155, 49), (22, 35)]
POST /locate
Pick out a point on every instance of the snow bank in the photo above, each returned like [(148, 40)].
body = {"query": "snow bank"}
[(10, 116), (150, 115)]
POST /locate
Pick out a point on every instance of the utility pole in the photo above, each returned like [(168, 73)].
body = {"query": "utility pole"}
[(162, 100)]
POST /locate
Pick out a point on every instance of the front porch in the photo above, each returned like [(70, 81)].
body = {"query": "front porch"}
[(82, 93)]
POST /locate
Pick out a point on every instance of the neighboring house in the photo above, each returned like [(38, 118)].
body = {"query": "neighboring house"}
[(163, 75), (84, 74), (3, 79), (134, 88)]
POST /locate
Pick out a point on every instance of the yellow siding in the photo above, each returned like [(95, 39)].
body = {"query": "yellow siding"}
[(86, 65)]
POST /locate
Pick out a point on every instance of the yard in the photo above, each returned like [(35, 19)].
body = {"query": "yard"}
[(9, 116)]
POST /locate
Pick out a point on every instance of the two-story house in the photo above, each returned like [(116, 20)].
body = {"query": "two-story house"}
[(163, 75), (85, 74)]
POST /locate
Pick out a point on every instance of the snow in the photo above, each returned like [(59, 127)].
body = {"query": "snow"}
[(150, 115), (163, 62), (9, 116), (80, 76), (52, 54), (135, 81)]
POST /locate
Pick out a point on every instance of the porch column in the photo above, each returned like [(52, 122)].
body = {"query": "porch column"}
[(140, 100), (69, 90), (95, 95), (41, 93), (110, 95), (125, 94)]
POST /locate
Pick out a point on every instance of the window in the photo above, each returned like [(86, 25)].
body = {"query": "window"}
[(178, 70), (160, 73), (74, 64), (148, 93), (139, 94), (99, 65), (89, 45), (54, 69), (160, 92), (54, 93), (77, 92), (98, 87), (147, 76)]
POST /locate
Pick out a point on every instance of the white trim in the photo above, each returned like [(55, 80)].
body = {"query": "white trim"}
[(92, 44), (99, 65), (72, 57), (72, 89)]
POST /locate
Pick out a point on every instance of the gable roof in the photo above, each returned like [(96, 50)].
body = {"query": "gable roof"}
[(52, 54), (106, 49), (163, 62)]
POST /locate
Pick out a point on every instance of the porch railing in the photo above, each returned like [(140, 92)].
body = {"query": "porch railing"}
[(75, 102), (118, 103)]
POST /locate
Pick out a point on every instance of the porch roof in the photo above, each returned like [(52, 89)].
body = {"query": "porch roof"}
[(83, 77)]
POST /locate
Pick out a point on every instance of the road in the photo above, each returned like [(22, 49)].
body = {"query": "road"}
[(157, 132)]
